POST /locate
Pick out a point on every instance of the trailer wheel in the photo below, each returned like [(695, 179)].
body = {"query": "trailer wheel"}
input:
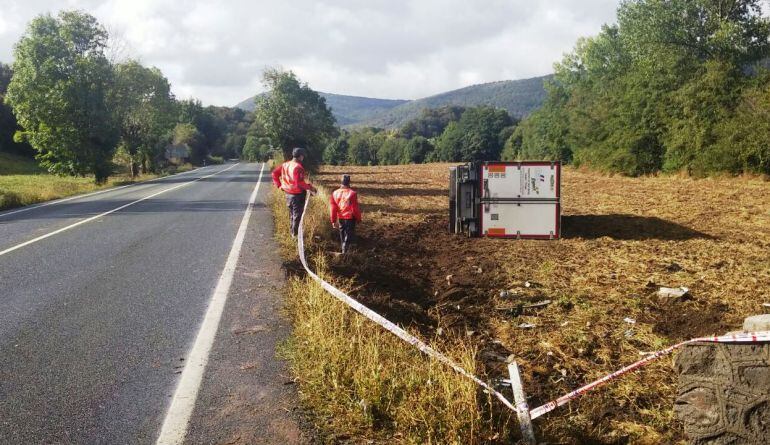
[(724, 393)]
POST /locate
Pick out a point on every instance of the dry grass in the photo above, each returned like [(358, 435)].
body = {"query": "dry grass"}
[(623, 238), (360, 381)]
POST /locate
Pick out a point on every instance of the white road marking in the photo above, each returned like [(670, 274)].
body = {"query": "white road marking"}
[(84, 221), (99, 192), (174, 427)]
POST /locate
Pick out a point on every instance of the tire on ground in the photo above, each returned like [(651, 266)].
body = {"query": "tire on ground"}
[(724, 393)]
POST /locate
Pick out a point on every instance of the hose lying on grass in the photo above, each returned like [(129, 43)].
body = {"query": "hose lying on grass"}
[(387, 324)]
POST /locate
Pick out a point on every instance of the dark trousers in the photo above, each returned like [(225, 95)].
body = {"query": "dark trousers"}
[(296, 204), (347, 233)]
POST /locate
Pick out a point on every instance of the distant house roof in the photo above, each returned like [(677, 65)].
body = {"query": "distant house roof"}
[(178, 151)]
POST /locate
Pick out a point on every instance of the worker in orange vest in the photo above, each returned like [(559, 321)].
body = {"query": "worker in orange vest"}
[(290, 177), (345, 212)]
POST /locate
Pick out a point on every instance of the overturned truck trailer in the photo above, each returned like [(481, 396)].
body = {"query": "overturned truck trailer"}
[(506, 199)]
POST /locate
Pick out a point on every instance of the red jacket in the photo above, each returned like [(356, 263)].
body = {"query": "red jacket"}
[(290, 177), (344, 205)]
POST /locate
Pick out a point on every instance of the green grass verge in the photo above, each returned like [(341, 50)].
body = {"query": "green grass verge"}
[(23, 182)]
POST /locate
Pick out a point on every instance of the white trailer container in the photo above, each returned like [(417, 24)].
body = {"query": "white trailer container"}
[(506, 199)]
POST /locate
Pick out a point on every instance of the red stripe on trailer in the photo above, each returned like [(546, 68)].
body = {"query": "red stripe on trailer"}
[(496, 232), (497, 168), (544, 237)]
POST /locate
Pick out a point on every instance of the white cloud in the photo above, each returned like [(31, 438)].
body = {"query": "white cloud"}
[(216, 49)]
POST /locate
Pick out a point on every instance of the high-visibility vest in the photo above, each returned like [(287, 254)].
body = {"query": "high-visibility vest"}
[(347, 207), (292, 173)]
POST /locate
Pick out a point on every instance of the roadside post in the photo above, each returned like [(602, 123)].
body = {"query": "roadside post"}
[(522, 408)]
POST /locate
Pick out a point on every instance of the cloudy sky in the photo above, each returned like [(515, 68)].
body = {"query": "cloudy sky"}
[(402, 49)]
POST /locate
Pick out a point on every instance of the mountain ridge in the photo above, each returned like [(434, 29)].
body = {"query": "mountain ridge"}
[(346, 109), (520, 97)]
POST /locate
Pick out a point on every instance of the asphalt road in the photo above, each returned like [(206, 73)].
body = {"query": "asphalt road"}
[(95, 321)]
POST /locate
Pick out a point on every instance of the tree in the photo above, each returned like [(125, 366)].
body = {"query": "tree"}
[(187, 134), (336, 152), (192, 112), (144, 106), (232, 126), (475, 137), (8, 124), (744, 140), (251, 149), (7, 120), (391, 150), (543, 135), (59, 94), (432, 122), (363, 145), (733, 32), (234, 143), (654, 91), (416, 150), (449, 144), (293, 115)]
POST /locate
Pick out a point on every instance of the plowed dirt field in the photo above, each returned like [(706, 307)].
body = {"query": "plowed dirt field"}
[(623, 238)]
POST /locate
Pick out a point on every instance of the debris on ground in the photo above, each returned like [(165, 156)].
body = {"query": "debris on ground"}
[(673, 293), (251, 330), (539, 304)]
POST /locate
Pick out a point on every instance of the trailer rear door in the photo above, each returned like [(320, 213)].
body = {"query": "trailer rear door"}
[(526, 180), (533, 220)]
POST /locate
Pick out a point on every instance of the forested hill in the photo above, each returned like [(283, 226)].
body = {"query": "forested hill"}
[(348, 110), (519, 97)]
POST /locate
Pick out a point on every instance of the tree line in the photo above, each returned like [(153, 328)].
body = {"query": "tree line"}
[(444, 134), (677, 85), (80, 114)]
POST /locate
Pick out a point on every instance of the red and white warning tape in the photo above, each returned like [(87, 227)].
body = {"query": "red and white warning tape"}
[(387, 324), (756, 337)]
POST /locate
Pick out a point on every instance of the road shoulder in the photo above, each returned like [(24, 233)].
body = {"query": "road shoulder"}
[(247, 395)]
